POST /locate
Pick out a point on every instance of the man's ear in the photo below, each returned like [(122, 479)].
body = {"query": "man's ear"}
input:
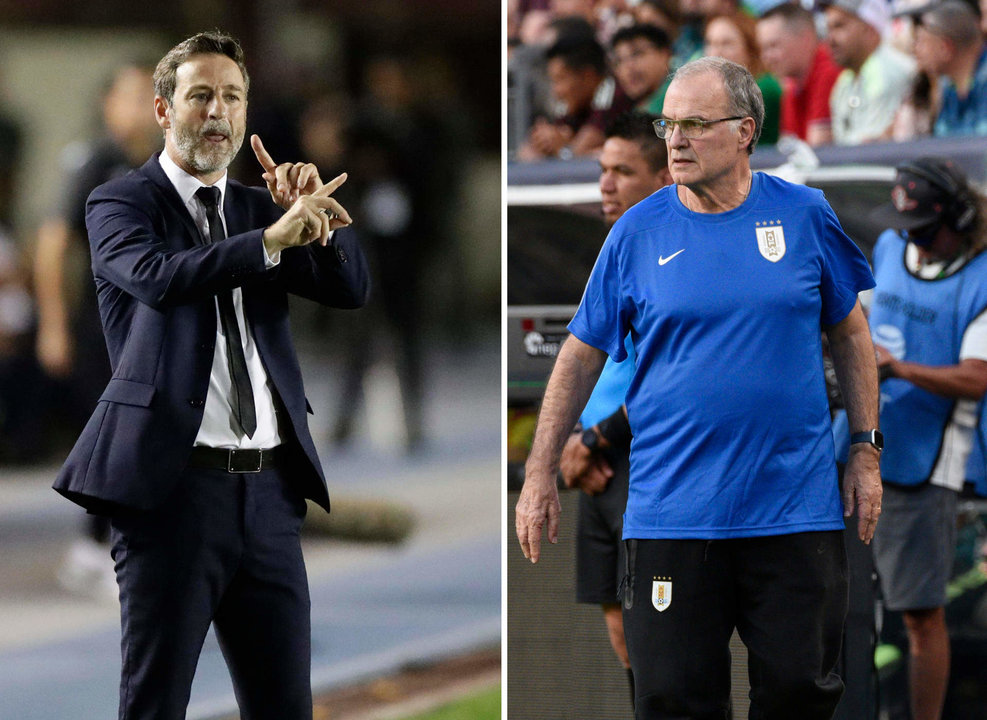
[(746, 131), (161, 112)]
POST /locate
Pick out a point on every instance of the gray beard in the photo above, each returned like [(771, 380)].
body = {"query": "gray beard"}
[(196, 151)]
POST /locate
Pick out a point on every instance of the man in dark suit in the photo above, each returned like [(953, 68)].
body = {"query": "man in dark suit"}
[(199, 448)]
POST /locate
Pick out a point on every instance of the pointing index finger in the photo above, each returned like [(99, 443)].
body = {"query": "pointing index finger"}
[(330, 186), (265, 160)]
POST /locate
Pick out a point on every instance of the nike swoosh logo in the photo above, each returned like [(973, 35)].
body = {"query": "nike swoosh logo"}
[(663, 260)]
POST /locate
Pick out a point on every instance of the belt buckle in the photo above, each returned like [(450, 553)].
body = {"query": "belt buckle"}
[(238, 461)]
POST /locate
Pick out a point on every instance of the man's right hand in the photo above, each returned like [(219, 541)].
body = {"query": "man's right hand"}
[(310, 218), (576, 370), (537, 507), (582, 468)]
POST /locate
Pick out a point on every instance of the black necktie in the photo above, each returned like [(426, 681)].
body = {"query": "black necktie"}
[(243, 394)]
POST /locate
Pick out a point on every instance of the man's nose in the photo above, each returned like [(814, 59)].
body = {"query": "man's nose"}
[(217, 108), (677, 138), (606, 182)]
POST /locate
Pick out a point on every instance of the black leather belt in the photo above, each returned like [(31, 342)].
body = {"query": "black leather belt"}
[(237, 461)]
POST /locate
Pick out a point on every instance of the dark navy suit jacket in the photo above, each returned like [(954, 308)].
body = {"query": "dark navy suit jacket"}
[(156, 280)]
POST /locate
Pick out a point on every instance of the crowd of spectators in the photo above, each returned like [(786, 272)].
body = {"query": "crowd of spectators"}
[(831, 71)]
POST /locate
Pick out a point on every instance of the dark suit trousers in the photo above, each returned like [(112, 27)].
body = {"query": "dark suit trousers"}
[(225, 549)]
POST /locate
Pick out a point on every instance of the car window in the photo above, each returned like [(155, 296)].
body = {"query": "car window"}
[(853, 202), (550, 252)]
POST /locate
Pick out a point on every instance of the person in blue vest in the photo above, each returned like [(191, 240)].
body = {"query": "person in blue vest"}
[(633, 165), (929, 326), (734, 517)]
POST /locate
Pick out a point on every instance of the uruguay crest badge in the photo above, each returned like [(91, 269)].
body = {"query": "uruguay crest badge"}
[(661, 593), (770, 240)]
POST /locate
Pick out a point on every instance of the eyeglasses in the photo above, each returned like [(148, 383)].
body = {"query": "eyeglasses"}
[(691, 128)]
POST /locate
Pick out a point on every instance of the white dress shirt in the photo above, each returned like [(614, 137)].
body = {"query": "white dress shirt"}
[(218, 428)]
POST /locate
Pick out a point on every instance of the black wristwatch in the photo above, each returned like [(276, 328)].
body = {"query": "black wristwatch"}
[(591, 439), (874, 437)]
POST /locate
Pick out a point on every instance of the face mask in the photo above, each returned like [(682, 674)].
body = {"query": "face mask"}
[(922, 236)]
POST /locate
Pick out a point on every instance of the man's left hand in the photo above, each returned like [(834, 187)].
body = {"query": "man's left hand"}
[(288, 181), (311, 218), (862, 489)]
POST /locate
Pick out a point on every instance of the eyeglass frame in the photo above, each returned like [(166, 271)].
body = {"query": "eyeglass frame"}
[(701, 124)]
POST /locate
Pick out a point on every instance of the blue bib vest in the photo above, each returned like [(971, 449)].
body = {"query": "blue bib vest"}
[(921, 321)]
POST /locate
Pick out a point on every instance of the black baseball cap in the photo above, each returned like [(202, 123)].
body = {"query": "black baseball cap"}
[(915, 201)]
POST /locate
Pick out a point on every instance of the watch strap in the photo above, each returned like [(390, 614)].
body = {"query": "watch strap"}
[(590, 439), (873, 437)]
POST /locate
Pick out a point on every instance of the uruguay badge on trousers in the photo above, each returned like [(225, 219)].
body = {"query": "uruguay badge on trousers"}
[(661, 593)]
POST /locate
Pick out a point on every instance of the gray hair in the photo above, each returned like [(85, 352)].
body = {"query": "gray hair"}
[(743, 95)]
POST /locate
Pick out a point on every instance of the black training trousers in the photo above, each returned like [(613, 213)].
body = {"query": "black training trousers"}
[(785, 594)]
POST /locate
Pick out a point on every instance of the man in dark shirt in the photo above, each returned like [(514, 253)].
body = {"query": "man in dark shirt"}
[(587, 100), (70, 346)]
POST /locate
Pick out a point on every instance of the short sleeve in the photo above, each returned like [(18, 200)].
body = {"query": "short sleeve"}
[(845, 271), (599, 320)]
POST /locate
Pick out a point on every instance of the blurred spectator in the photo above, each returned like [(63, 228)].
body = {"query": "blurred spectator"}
[(514, 17), (689, 42), (918, 111), (587, 99), (70, 345), (604, 17), (22, 427), (876, 78), (569, 26), (661, 13), (70, 338), (402, 157), (734, 36), (611, 16), (529, 88), (11, 147), (533, 27), (641, 56), (948, 44), (324, 125), (792, 51), (574, 8)]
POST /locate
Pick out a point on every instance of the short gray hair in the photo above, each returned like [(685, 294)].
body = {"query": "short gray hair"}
[(743, 95)]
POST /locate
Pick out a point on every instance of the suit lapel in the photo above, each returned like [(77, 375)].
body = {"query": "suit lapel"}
[(233, 210), (172, 201)]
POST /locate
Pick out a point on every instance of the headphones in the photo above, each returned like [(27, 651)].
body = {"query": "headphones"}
[(960, 211)]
